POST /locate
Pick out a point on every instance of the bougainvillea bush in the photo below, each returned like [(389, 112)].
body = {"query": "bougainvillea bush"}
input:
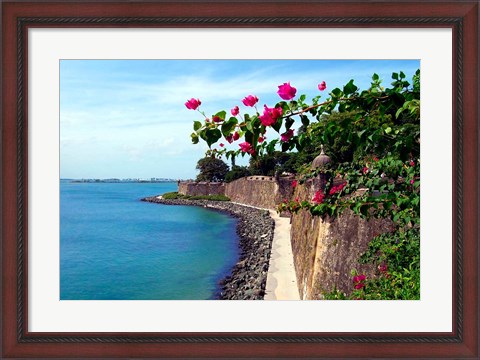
[(374, 172)]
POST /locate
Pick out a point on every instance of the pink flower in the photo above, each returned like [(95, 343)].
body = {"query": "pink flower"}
[(286, 92), (222, 144), (318, 197), (286, 135), (359, 278), (359, 286), (412, 181), (270, 115), (412, 163), (383, 268), (375, 158), (365, 170), (217, 119), (250, 100), (235, 111), (247, 148), (359, 281), (322, 86), (261, 139), (294, 183), (337, 188), (193, 104), (232, 138)]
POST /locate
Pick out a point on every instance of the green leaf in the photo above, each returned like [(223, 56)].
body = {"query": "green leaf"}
[(221, 114), (249, 137), (288, 123), (194, 138), (388, 130), (197, 125), (277, 125), (305, 120), (228, 126), (375, 77), (395, 76), (212, 136), (336, 92), (350, 88)]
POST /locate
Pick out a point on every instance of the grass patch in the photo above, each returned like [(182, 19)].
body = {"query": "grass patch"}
[(175, 195)]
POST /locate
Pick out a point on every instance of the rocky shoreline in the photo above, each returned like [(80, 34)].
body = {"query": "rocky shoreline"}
[(255, 229)]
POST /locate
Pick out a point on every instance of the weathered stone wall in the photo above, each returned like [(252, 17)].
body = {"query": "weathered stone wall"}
[(326, 250), (259, 191), (201, 188)]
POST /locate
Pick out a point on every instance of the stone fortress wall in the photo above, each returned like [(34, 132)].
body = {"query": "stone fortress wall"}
[(324, 250)]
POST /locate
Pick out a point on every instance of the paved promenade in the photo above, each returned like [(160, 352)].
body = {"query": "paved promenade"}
[(281, 279)]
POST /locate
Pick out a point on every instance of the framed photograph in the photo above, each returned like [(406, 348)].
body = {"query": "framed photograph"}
[(51, 49)]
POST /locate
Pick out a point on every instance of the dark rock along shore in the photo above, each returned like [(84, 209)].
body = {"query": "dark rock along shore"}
[(255, 228)]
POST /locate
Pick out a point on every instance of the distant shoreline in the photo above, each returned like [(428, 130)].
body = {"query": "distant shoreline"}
[(255, 228), (119, 181)]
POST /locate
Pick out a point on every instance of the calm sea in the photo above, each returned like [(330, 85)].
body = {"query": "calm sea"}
[(113, 246)]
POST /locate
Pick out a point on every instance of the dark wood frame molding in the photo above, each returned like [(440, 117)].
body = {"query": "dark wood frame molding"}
[(18, 17)]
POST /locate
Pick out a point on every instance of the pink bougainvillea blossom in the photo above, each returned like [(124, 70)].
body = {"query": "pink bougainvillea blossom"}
[(222, 144), (270, 115), (193, 104), (294, 183), (229, 138), (261, 139), (383, 268), (247, 148), (412, 181), (358, 281), (217, 119), (412, 163), (318, 197), (322, 86), (286, 135), (250, 100), (236, 136), (336, 189), (359, 285), (359, 278), (235, 111), (286, 91), (365, 170)]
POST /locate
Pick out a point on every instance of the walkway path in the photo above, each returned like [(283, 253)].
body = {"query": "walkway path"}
[(281, 278)]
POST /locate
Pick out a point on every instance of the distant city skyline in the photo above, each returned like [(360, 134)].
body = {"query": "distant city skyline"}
[(127, 118)]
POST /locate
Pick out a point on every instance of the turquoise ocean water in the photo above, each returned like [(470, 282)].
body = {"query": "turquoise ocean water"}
[(115, 247)]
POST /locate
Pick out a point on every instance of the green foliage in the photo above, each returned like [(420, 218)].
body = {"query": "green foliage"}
[(211, 169), (237, 172), (269, 164), (172, 196), (175, 195)]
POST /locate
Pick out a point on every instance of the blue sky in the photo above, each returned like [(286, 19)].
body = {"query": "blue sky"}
[(127, 118)]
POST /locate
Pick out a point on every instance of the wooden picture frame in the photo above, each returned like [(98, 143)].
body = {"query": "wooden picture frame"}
[(18, 17)]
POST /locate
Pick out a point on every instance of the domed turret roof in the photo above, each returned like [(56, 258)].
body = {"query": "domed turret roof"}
[(321, 160)]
